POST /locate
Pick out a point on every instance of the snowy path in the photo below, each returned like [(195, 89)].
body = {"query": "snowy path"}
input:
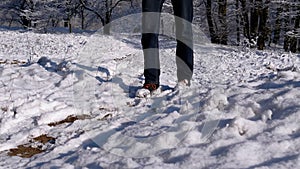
[(242, 111)]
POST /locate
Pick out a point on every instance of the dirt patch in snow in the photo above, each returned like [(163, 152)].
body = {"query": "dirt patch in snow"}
[(69, 119), (30, 149)]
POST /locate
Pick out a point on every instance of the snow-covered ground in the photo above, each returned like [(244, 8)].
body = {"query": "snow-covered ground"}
[(242, 110)]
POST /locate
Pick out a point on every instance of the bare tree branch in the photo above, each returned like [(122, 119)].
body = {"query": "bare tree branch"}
[(94, 11)]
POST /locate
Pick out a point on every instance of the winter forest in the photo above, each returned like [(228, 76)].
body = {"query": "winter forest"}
[(256, 23), (68, 87)]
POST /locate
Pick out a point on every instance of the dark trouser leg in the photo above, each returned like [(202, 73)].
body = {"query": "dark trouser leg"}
[(150, 29), (183, 10)]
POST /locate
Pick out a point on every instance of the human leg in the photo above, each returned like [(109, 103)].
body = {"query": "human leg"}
[(183, 11), (150, 29)]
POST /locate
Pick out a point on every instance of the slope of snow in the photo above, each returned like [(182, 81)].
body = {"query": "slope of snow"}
[(242, 110)]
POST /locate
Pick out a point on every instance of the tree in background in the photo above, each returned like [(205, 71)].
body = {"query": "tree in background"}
[(261, 9), (103, 10), (42, 15), (216, 13), (259, 23), (20, 11)]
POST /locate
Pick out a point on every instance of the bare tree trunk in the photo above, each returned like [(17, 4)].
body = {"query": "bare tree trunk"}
[(254, 20), (82, 18), (277, 29), (245, 19), (223, 34), (70, 26), (210, 22), (237, 8), (263, 30), (108, 6), (286, 18), (293, 44), (285, 28), (297, 20)]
